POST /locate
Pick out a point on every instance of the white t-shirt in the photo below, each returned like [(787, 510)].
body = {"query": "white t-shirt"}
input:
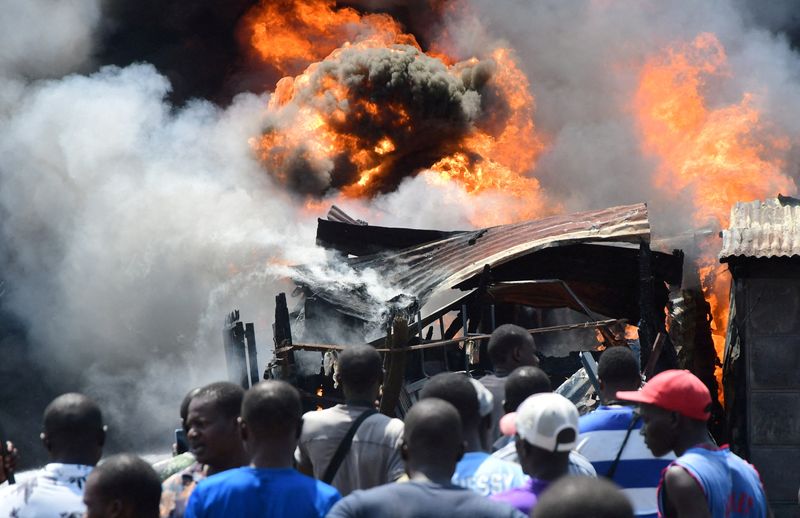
[(374, 457), (55, 491)]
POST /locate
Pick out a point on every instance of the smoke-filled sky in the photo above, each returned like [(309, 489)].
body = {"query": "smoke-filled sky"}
[(134, 212)]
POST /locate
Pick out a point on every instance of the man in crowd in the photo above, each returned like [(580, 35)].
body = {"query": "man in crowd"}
[(522, 383), (181, 458), (510, 346), (74, 436), (123, 486), (270, 425), (476, 470), (432, 446), (610, 435), (704, 481), (212, 429), (579, 497), (546, 427), (373, 457), (8, 460)]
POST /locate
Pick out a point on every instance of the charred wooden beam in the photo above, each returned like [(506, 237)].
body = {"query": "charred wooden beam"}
[(282, 333), (395, 373)]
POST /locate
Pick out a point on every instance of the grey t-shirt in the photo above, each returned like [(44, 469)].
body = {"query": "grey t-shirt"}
[(374, 457), (420, 500)]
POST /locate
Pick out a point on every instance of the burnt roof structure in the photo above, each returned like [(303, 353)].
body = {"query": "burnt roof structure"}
[(596, 252)]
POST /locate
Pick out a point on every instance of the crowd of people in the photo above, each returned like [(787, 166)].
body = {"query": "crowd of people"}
[(504, 445)]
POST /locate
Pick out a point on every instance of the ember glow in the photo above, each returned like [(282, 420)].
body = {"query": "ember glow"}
[(714, 154), (371, 108)]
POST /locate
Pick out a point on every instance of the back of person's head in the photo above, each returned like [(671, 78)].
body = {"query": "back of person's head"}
[(272, 409), (184, 410), (582, 497), (433, 433), (457, 390), (618, 368), (511, 345), (226, 397), (123, 486), (522, 383), (73, 429), (360, 368)]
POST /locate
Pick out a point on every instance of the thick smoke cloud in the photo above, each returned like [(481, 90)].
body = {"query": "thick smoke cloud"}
[(438, 107), (583, 61)]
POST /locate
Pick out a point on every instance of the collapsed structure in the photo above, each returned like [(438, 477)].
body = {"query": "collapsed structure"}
[(577, 281)]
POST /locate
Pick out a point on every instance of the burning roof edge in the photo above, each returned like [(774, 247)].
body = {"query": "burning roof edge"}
[(762, 229)]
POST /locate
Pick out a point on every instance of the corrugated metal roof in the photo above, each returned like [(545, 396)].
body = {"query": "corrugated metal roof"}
[(421, 270), (768, 228)]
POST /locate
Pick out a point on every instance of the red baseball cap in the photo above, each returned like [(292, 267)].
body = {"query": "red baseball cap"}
[(676, 390)]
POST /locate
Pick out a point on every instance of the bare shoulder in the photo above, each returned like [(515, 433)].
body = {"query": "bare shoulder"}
[(680, 483)]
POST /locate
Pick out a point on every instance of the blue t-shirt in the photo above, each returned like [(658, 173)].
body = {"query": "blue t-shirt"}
[(487, 475), (261, 492), (638, 472), (420, 500), (732, 486)]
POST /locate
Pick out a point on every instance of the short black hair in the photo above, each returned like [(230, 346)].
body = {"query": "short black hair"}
[(74, 418), (272, 408), (360, 367), (578, 497), (457, 390), (505, 339), (618, 365), (184, 411), (225, 396), (523, 382), (131, 480), (433, 426)]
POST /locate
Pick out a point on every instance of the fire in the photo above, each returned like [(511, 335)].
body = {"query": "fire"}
[(711, 153), (369, 107), (290, 34)]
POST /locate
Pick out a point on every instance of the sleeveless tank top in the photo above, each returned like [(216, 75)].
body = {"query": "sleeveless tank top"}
[(732, 486)]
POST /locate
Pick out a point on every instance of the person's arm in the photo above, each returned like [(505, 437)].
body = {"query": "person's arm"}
[(303, 461), (684, 498)]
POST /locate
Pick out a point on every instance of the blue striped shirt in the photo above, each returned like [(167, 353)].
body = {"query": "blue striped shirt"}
[(638, 472)]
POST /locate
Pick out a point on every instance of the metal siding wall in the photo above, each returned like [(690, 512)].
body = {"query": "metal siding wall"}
[(773, 383)]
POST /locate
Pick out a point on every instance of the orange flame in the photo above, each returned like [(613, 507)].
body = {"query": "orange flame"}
[(320, 117), (714, 156)]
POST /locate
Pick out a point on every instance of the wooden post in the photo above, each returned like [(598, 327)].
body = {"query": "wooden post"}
[(252, 356), (396, 367), (282, 331)]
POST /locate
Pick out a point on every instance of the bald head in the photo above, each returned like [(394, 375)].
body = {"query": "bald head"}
[(511, 346), (457, 390), (432, 433), (524, 382), (272, 409), (360, 368), (73, 429), (123, 486), (579, 497)]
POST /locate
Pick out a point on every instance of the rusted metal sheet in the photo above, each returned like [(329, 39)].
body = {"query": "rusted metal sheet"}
[(768, 228), (422, 270)]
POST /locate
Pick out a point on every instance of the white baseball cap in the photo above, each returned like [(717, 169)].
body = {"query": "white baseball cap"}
[(485, 398), (540, 419)]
